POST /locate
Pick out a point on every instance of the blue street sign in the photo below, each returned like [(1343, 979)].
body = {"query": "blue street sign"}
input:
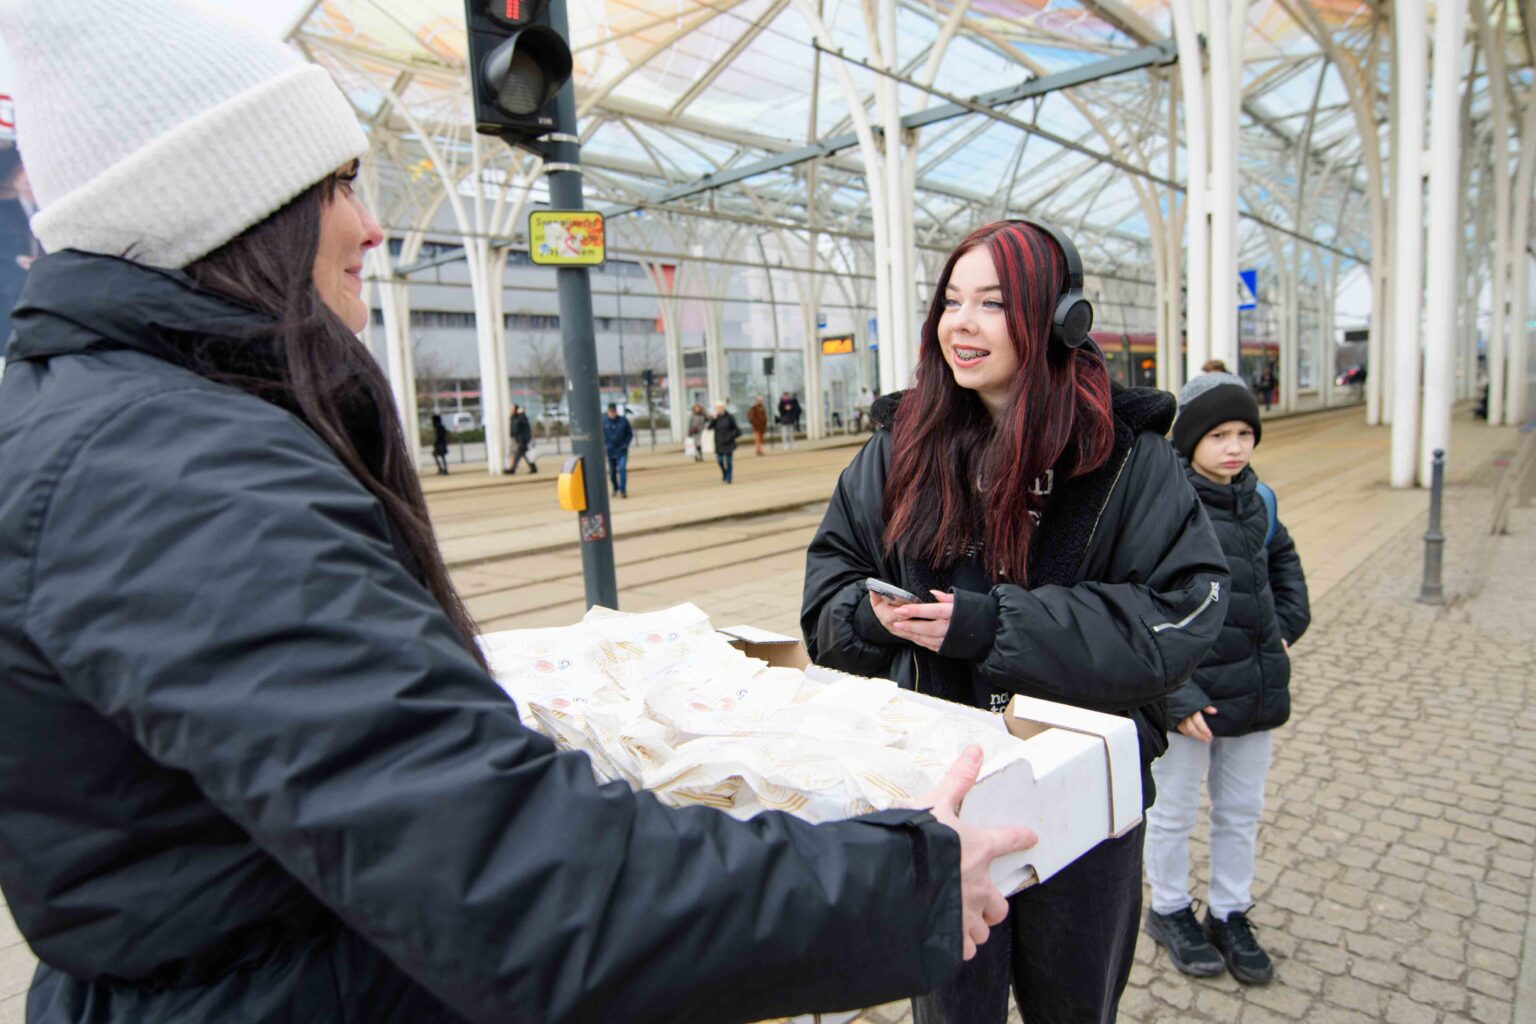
[(1249, 295), (874, 337)]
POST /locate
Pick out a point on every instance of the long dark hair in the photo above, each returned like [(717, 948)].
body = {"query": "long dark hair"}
[(310, 363), (950, 462)]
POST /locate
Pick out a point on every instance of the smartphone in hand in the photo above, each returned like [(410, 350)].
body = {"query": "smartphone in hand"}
[(890, 591)]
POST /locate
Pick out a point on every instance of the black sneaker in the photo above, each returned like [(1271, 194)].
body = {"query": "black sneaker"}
[(1245, 958), (1179, 933)]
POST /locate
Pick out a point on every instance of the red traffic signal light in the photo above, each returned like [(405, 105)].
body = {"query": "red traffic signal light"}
[(518, 64), (511, 13)]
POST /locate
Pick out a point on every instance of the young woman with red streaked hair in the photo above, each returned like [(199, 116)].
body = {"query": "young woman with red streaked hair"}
[(1057, 551)]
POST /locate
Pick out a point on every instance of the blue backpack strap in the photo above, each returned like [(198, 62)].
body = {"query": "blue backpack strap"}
[(1270, 510)]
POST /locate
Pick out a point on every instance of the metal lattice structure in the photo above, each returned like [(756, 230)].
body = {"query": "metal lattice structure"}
[(839, 149)]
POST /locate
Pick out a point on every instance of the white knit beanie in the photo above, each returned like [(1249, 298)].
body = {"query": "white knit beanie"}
[(157, 131)]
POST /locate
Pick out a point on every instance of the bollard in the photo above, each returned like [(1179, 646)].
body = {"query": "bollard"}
[(1431, 591)]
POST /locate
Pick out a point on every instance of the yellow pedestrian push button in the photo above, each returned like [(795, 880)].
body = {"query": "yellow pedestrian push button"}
[(572, 486)]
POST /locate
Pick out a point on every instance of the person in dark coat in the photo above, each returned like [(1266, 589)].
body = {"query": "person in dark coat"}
[(439, 444), (789, 418), (1223, 715), (726, 432), (1082, 570), (617, 436), (522, 440), (252, 764), (18, 247), (1264, 384)]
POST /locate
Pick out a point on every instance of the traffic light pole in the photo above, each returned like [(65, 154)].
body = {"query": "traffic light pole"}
[(579, 342)]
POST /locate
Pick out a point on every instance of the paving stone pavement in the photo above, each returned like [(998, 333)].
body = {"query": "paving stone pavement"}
[(1395, 859)]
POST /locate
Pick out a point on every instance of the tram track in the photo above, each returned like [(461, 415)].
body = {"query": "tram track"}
[(686, 537)]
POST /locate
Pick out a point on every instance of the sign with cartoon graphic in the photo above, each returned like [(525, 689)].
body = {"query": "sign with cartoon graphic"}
[(566, 238)]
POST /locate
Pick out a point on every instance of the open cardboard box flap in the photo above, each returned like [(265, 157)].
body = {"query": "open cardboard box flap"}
[(1079, 784), (776, 649)]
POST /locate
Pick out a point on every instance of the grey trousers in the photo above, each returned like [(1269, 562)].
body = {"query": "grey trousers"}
[(1236, 766)]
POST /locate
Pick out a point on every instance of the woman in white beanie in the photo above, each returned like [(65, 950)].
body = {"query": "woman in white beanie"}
[(252, 767)]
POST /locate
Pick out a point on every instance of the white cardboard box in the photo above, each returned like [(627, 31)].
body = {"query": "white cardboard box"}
[(1077, 783)]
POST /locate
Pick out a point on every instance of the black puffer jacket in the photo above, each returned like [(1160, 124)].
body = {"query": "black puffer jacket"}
[(1247, 674), (1127, 586), (726, 432), (522, 431), (249, 774)]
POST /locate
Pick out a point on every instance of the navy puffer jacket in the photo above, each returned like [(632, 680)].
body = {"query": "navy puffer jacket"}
[(248, 772), (1247, 673)]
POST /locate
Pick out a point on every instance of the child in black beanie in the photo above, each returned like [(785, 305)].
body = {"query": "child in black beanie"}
[(1240, 692)]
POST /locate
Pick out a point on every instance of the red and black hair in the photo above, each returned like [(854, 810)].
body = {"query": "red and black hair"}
[(956, 477)]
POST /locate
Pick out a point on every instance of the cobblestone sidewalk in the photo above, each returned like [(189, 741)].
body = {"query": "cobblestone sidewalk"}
[(1395, 860)]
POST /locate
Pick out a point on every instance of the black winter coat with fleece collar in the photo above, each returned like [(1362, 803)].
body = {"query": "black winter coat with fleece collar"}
[(248, 771), (1246, 676), (1126, 587)]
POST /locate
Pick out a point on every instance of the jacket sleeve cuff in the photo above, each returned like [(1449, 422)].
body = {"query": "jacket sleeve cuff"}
[(936, 881), (972, 625), (869, 627), (1184, 700)]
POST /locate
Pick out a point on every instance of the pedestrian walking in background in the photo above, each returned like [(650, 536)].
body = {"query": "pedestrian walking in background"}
[(439, 444), (1223, 714), (18, 246), (617, 435), (522, 440), (694, 446), (1058, 552), (726, 432), (789, 418), (861, 407), (252, 764), (757, 416), (1264, 384)]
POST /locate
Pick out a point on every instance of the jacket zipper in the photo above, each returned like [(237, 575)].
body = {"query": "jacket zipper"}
[(1210, 599), (1258, 630), (1107, 497)]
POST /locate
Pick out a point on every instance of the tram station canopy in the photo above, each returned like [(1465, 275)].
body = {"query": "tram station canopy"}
[(673, 91), (854, 142)]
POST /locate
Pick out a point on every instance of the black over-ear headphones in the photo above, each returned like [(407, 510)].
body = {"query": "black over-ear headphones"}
[(1072, 318)]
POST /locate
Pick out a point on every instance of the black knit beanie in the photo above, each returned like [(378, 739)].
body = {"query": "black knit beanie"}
[(1209, 400)]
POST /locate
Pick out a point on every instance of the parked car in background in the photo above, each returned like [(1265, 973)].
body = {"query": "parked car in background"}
[(1353, 375)]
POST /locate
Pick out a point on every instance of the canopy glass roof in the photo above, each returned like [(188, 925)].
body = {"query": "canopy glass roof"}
[(672, 90)]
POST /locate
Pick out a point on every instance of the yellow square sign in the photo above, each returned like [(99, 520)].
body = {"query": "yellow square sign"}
[(566, 238), (837, 345)]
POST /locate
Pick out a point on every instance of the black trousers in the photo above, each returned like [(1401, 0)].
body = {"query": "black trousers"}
[(1066, 948)]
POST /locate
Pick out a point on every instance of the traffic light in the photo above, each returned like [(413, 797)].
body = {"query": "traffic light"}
[(517, 63)]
